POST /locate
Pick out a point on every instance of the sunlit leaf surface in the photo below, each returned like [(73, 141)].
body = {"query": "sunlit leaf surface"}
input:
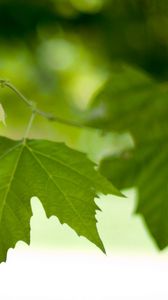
[(64, 180)]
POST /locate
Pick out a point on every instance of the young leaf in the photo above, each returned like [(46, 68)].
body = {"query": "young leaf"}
[(64, 180), (133, 102), (2, 115)]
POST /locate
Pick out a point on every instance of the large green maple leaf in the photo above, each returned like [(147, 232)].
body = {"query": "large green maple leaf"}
[(133, 102), (64, 180)]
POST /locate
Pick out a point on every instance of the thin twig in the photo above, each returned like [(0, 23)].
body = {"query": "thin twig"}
[(32, 105)]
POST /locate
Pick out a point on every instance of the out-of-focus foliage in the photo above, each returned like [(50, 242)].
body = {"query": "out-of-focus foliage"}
[(134, 31), (60, 53), (133, 102)]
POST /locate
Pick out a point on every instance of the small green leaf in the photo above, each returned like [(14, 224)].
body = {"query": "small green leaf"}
[(2, 115), (64, 180)]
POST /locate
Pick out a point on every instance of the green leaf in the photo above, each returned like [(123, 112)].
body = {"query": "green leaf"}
[(64, 180), (133, 102), (2, 115)]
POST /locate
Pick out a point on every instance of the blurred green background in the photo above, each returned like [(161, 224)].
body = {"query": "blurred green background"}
[(60, 53)]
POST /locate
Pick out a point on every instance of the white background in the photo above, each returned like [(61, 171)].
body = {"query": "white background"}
[(52, 275)]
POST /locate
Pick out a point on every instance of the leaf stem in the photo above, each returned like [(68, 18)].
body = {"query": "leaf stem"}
[(32, 105), (29, 126), (16, 91)]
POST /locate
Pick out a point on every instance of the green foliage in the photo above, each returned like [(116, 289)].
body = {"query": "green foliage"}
[(64, 180), (133, 102), (62, 53), (2, 114)]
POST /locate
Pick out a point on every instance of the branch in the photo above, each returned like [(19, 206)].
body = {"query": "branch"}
[(32, 106)]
